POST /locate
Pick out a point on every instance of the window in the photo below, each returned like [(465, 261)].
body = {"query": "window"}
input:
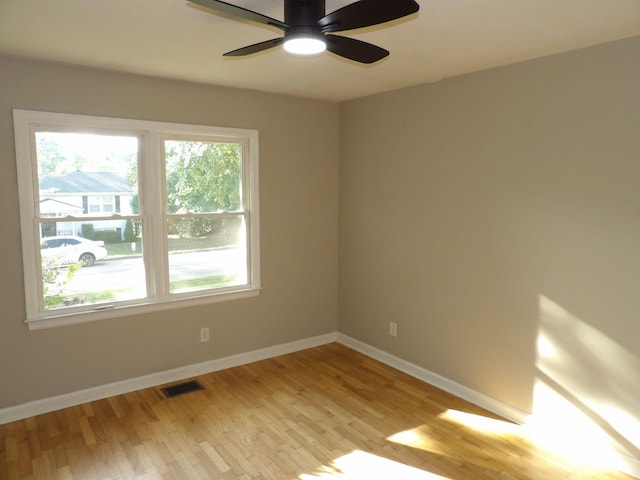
[(128, 216), (101, 204)]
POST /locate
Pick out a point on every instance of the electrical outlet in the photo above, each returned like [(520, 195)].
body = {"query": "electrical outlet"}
[(204, 334), (393, 329)]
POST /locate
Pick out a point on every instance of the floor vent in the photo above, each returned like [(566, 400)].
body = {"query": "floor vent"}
[(181, 388)]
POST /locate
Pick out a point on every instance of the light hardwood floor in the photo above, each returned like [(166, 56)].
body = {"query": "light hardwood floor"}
[(323, 413)]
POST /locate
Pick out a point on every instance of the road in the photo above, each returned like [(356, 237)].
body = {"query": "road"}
[(127, 273)]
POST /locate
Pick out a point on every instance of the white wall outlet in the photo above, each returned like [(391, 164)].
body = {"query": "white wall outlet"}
[(393, 329), (204, 334)]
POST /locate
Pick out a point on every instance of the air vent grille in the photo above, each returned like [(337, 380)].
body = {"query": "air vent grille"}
[(181, 388)]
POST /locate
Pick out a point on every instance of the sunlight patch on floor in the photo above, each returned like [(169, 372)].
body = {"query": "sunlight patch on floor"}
[(420, 438), (490, 426), (359, 465), (577, 445)]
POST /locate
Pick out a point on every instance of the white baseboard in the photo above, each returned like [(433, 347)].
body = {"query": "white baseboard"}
[(484, 401), (45, 405)]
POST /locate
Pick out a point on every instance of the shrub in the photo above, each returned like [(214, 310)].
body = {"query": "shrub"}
[(88, 231), (129, 232), (54, 279), (108, 236)]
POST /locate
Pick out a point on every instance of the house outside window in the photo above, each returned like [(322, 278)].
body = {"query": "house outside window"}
[(175, 206), (79, 192)]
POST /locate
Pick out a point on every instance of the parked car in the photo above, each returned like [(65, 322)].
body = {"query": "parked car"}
[(67, 250)]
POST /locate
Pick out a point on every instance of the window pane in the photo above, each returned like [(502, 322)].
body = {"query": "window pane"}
[(81, 174), (81, 271), (206, 252), (203, 176), (100, 204)]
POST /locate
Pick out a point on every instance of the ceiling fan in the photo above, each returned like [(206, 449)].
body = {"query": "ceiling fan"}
[(307, 27)]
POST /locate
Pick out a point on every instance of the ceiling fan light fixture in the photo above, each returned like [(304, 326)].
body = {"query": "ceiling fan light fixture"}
[(305, 45), (308, 30)]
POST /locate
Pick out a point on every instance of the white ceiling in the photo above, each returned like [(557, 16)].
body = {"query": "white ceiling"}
[(176, 39)]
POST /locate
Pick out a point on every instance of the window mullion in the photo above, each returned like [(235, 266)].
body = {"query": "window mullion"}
[(153, 205)]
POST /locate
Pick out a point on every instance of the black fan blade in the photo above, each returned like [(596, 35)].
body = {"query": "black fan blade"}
[(353, 49), (255, 48), (366, 13), (240, 12)]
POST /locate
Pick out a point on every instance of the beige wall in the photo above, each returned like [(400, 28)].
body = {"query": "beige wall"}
[(489, 213), (298, 192)]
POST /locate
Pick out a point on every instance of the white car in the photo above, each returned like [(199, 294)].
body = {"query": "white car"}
[(69, 249)]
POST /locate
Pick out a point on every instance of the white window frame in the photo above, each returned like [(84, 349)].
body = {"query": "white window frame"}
[(151, 189)]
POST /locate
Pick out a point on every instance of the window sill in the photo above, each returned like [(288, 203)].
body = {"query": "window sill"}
[(53, 320)]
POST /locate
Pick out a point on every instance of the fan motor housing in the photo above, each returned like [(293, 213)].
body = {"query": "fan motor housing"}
[(303, 12)]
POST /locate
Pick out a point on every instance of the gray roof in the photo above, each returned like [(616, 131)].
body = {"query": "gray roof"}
[(87, 182)]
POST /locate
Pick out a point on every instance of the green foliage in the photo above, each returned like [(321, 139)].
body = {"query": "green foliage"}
[(135, 203), (54, 279), (202, 177), (108, 236), (132, 178), (50, 156), (88, 231), (129, 232), (199, 227), (137, 228), (209, 227)]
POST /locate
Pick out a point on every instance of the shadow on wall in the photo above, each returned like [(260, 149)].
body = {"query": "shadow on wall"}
[(586, 391)]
